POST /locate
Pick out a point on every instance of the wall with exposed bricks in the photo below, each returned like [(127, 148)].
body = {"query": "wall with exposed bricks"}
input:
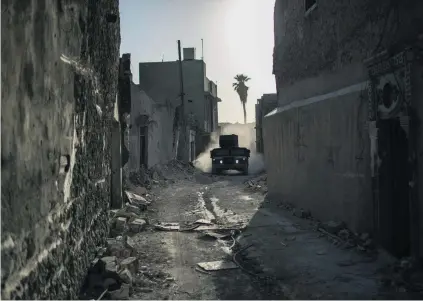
[(59, 88)]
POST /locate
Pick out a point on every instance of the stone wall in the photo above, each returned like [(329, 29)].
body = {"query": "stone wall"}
[(59, 87), (337, 33)]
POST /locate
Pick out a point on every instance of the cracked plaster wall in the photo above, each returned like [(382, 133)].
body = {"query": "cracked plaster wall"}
[(59, 85)]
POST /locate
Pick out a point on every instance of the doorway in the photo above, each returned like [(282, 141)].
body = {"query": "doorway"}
[(393, 213), (143, 146)]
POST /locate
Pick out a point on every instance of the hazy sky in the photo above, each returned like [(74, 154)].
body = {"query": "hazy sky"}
[(237, 34)]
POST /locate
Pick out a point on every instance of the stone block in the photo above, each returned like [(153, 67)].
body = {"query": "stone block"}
[(110, 263), (137, 225), (120, 223), (130, 263), (133, 209)]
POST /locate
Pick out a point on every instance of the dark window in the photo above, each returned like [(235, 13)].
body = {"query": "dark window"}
[(309, 4)]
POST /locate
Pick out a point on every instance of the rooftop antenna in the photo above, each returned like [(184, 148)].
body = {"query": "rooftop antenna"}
[(162, 57)]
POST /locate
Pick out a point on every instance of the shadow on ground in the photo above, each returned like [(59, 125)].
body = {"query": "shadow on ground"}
[(286, 258)]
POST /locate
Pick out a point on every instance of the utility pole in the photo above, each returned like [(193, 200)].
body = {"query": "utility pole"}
[(182, 127), (181, 83)]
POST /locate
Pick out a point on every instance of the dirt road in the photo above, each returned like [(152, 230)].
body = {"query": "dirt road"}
[(177, 253), (281, 256)]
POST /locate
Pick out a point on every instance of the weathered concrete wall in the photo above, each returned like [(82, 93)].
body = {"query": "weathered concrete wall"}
[(59, 85), (337, 33), (317, 157), (160, 129), (161, 81)]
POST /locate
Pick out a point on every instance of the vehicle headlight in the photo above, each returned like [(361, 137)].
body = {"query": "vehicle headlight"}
[(236, 161), (221, 161)]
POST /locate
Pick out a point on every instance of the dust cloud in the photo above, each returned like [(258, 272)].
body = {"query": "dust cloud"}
[(246, 138)]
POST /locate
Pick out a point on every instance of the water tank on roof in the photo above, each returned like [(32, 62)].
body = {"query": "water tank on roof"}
[(189, 54)]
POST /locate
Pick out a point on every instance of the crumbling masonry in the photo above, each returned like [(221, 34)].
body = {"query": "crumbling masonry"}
[(59, 89)]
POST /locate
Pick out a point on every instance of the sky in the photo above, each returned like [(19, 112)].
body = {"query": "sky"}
[(237, 37)]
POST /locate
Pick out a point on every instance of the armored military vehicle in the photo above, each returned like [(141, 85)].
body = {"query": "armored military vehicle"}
[(229, 156)]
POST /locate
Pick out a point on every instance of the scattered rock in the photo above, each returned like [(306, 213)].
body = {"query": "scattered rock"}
[(332, 227), (126, 276), (110, 263), (116, 248), (137, 200), (137, 225), (120, 224), (130, 263), (344, 234), (133, 209), (122, 293)]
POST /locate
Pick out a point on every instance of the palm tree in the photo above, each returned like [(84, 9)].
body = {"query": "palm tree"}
[(241, 88)]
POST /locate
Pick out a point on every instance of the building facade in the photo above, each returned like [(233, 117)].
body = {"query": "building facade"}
[(151, 131), (161, 81), (264, 105), (345, 140)]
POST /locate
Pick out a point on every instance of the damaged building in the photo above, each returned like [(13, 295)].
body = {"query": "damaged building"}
[(346, 138), (161, 83), (59, 95)]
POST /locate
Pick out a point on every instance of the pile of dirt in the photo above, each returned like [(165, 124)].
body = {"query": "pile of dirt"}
[(161, 174), (257, 184)]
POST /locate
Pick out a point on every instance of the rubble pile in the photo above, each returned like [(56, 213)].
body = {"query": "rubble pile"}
[(340, 235), (131, 218), (337, 232), (162, 174), (258, 184)]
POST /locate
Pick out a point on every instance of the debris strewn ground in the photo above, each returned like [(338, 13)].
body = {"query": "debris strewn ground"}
[(186, 235)]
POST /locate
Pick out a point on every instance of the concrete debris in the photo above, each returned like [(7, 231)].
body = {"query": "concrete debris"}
[(126, 276), (110, 263), (137, 225), (123, 213), (120, 223), (133, 209), (203, 222), (137, 200), (117, 248), (217, 235), (332, 227), (217, 265), (122, 293), (131, 264), (167, 226), (258, 184)]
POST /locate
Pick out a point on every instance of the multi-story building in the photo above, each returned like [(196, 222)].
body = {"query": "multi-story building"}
[(345, 140), (161, 81), (264, 105)]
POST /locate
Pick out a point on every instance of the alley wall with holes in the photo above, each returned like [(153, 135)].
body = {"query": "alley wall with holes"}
[(57, 105), (349, 78)]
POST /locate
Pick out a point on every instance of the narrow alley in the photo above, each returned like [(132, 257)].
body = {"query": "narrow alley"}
[(262, 251), (201, 150)]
